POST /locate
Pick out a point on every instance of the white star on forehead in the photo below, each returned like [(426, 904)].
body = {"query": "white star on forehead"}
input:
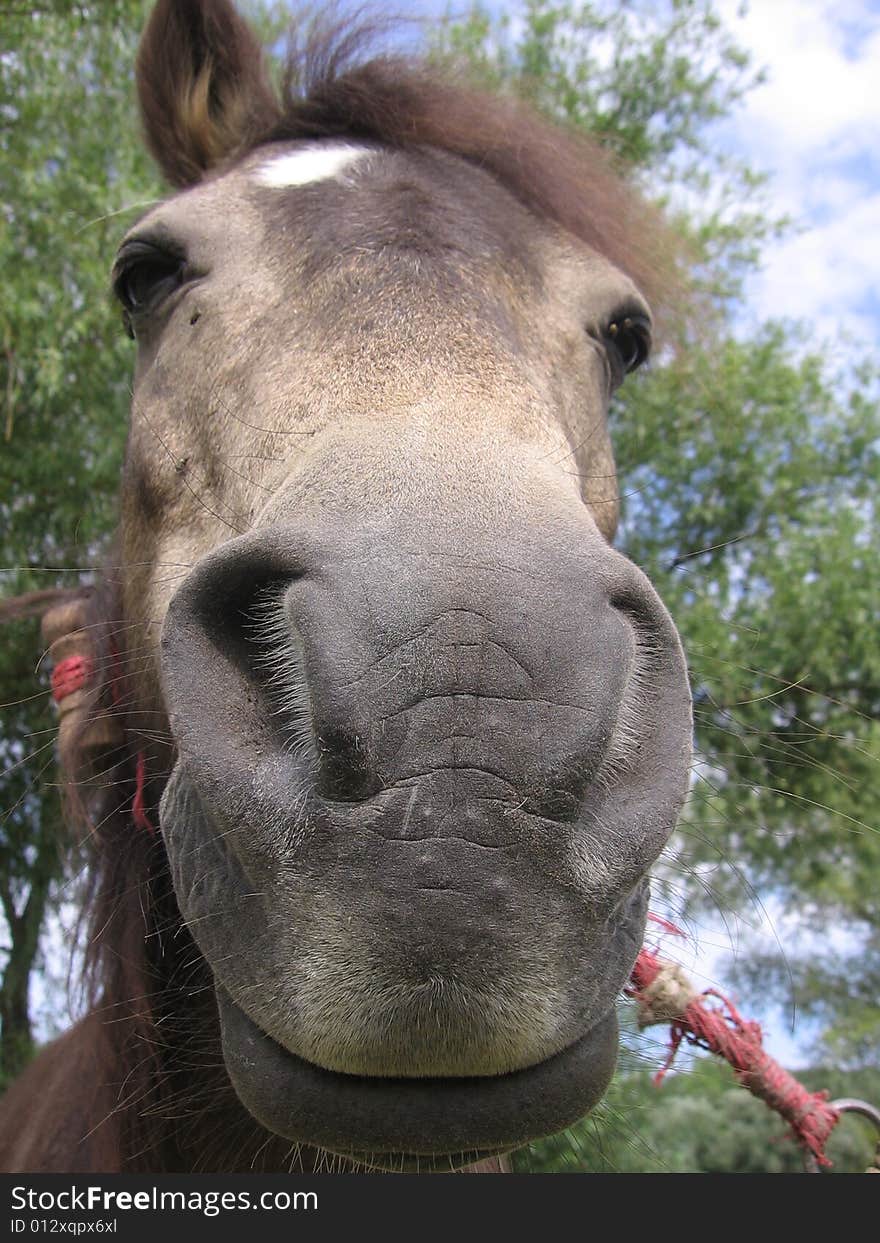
[(309, 164)]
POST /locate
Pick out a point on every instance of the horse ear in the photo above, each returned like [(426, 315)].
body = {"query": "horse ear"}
[(202, 87)]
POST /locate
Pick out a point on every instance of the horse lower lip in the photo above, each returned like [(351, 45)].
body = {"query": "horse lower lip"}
[(418, 1163), (405, 1119)]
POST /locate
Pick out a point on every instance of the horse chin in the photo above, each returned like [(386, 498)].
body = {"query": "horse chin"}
[(413, 1125)]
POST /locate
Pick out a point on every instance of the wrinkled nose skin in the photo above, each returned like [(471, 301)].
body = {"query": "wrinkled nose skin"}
[(420, 783)]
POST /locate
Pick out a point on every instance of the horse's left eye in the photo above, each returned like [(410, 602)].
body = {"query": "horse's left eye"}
[(143, 277), (630, 339)]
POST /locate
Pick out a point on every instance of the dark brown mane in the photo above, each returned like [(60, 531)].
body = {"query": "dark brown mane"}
[(332, 88)]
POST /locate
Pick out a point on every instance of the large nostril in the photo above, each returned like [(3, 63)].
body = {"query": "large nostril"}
[(278, 670), (344, 773), (554, 803), (635, 599), (234, 626), (215, 680)]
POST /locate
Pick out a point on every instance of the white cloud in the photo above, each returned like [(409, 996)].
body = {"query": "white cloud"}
[(822, 58), (813, 125)]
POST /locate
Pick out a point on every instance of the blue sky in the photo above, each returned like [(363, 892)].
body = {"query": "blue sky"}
[(814, 127)]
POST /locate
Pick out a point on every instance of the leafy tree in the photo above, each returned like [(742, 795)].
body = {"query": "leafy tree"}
[(73, 176), (71, 173), (700, 1122)]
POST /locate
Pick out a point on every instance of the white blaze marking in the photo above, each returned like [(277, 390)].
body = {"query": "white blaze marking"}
[(318, 163)]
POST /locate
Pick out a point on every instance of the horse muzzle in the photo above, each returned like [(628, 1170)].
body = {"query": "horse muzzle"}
[(417, 794)]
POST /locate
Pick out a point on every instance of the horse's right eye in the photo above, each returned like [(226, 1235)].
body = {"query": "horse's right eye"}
[(144, 275), (629, 336)]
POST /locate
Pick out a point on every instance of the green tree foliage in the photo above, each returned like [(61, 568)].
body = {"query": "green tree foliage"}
[(701, 1122), (71, 174), (752, 509)]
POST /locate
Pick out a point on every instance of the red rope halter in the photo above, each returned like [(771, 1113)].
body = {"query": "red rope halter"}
[(664, 995), (72, 674)]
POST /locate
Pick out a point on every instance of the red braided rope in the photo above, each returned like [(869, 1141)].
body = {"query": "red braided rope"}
[(722, 1030), (70, 675), (138, 806), (138, 803)]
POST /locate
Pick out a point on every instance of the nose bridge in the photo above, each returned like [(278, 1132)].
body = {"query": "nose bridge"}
[(427, 470)]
